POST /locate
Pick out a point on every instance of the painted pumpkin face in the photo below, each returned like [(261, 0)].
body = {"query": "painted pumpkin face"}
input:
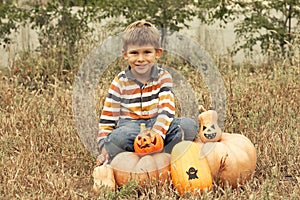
[(148, 142), (209, 129)]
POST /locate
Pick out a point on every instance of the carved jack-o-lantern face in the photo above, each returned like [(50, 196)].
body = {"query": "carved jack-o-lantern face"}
[(209, 129), (148, 142)]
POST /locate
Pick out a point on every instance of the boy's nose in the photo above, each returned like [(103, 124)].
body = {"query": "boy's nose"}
[(140, 57)]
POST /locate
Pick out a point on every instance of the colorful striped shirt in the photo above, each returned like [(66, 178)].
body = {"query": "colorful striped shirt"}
[(130, 99)]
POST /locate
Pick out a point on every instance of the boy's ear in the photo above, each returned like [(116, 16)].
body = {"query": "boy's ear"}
[(124, 54), (159, 52)]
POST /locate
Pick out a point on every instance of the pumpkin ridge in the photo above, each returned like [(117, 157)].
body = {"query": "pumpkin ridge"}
[(130, 166), (178, 152)]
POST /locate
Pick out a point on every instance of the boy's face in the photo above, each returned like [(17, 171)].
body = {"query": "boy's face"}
[(141, 59)]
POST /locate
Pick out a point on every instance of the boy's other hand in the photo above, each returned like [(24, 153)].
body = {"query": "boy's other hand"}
[(102, 158)]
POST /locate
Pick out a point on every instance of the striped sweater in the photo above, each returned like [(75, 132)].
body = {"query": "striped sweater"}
[(129, 99)]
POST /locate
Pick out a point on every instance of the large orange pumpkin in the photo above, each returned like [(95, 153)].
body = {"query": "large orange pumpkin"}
[(131, 166), (232, 158), (148, 142), (190, 171)]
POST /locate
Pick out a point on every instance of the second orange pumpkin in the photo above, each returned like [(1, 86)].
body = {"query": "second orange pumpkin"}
[(148, 142)]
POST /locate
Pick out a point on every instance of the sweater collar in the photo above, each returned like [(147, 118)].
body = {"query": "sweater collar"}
[(153, 74)]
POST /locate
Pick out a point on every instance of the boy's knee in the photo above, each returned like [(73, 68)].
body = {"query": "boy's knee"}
[(190, 128), (120, 140)]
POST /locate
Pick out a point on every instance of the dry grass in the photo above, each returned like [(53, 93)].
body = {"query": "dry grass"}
[(43, 158)]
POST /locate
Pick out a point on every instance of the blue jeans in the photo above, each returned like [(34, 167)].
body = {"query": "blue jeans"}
[(121, 139)]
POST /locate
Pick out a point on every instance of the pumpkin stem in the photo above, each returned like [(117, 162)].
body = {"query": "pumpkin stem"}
[(182, 132), (201, 108), (105, 162), (142, 127)]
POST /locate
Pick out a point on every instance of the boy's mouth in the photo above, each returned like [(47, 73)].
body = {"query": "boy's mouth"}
[(141, 66)]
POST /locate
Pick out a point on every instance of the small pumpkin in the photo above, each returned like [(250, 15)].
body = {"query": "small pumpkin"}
[(209, 130), (232, 159), (131, 166), (190, 171), (148, 142), (103, 177)]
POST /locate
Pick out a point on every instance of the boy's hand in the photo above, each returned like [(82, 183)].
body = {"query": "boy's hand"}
[(104, 156)]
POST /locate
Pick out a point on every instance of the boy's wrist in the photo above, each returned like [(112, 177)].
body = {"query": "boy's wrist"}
[(161, 135), (100, 145)]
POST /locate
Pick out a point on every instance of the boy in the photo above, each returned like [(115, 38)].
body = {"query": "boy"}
[(140, 94)]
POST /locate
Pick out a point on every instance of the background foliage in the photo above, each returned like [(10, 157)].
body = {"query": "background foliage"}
[(41, 155), (273, 25)]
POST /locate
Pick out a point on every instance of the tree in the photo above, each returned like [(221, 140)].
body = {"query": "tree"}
[(170, 15), (272, 24), (11, 18), (62, 29)]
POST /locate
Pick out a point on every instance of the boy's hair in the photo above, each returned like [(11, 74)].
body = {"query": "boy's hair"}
[(141, 33)]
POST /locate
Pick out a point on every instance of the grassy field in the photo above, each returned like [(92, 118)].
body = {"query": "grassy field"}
[(42, 157)]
